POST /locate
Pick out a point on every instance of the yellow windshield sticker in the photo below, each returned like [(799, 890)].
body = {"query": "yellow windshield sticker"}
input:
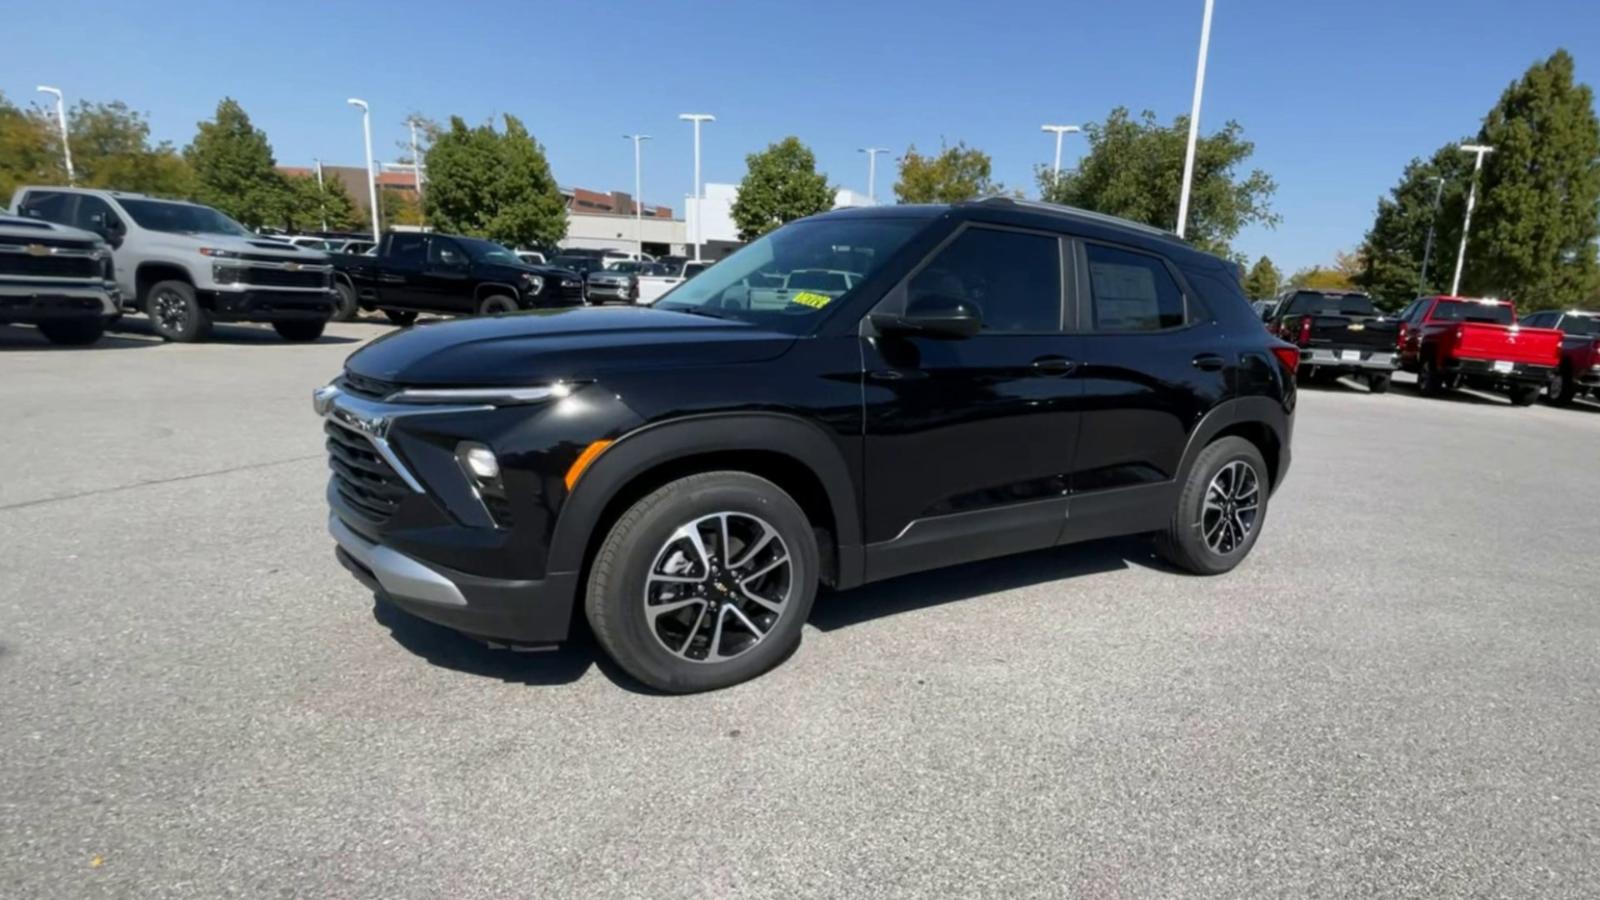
[(815, 301)]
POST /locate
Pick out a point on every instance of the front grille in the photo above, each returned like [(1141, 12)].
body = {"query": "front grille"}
[(371, 388), (284, 278), (24, 266), (362, 478)]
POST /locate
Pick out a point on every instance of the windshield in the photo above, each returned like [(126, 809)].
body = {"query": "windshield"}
[(489, 252), (630, 266), (786, 279), (1332, 304), (181, 218), (1466, 311)]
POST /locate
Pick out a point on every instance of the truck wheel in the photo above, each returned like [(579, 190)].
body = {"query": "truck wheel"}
[(1524, 394), (1378, 384), (1429, 381), (176, 314), (401, 317), (495, 304), (73, 332), (347, 308), (1220, 510), (1561, 390), (704, 583), (300, 329)]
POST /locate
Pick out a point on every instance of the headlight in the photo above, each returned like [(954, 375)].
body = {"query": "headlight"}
[(223, 274), (214, 252), (533, 284)]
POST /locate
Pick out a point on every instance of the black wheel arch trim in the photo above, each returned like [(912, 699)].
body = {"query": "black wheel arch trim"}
[(655, 444), (495, 289), (1265, 411)]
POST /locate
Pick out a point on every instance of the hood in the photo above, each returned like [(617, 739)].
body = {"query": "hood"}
[(577, 343), (255, 246)]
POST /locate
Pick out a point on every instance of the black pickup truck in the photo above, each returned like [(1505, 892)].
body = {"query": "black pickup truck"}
[(1338, 332), (412, 272)]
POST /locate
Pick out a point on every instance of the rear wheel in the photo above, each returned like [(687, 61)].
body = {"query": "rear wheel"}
[(1429, 380), (300, 329), (495, 304), (1561, 389), (1220, 509), (704, 583), (401, 317), (73, 332), (1378, 384), (1524, 394), (347, 308), (176, 314)]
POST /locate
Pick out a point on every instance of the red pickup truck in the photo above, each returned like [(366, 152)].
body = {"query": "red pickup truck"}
[(1579, 370), (1451, 341)]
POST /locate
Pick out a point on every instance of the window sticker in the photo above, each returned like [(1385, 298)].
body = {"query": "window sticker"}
[(807, 298)]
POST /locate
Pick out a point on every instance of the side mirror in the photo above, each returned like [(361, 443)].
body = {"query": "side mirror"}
[(107, 227), (1266, 314), (931, 316)]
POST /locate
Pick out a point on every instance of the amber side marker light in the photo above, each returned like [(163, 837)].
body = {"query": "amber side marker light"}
[(589, 455)]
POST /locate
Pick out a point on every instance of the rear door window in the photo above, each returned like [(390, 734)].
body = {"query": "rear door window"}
[(1131, 291), (408, 249)]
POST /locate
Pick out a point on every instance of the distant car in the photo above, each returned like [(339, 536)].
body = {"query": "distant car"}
[(613, 283), (532, 257), (56, 278), (1579, 370), (653, 287), (1263, 308)]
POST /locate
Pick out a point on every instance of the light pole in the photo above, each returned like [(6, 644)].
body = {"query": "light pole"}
[(1194, 121), (372, 178), (321, 197), (696, 118), (638, 195), (61, 117), (1481, 151), (416, 161), (1055, 170), (1427, 249), (872, 170)]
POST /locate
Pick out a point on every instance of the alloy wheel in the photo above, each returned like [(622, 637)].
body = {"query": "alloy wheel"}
[(172, 311), (1232, 504), (718, 586)]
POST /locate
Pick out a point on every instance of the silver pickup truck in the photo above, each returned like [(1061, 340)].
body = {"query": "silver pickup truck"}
[(56, 278), (187, 266)]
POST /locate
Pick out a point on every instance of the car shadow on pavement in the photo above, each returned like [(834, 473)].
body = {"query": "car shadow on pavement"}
[(19, 337), (569, 661), (1345, 385), (222, 334), (1458, 395)]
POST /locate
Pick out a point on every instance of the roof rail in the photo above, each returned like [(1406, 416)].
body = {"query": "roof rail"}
[(1077, 212)]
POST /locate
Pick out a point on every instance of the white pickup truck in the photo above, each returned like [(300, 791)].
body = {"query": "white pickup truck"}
[(653, 287)]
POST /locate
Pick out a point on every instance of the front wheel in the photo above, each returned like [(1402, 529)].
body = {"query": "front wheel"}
[(1220, 509), (704, 583), (73, 332), (1524, 394), (300, 329), (401, 317), (347, 308), (176, 314), (495, 304), (1430, 382), (1378, 384)]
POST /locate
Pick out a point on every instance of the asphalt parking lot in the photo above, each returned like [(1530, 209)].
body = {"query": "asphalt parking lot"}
[(1398, 695)]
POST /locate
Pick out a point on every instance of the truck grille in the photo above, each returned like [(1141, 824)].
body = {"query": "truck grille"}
[(19, 265), (371, 388), (285, 278), (361, 476)]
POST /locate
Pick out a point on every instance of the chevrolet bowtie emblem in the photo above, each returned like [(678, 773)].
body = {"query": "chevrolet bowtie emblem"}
[(38, 250), (292, 267)]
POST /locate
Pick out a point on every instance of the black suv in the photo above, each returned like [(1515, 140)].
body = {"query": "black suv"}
[(855, 396)]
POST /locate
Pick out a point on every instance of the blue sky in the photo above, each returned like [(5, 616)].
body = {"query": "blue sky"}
[(1337, 95)]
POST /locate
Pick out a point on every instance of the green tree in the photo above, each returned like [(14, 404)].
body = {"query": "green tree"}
[(958, 173), (29, 152), (398, 207), (1533, 236), (306, 207), (337, 207), (1134, 169), (1341, 276), (781, 184), (1263, 280), (1393, 249), (492, 184), (111, 149), (234, 169)]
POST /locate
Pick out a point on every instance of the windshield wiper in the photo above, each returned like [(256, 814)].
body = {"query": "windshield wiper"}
[(696, 311)]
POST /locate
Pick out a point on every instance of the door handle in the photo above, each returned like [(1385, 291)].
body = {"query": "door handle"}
[(1052, 365), (1209, 362)]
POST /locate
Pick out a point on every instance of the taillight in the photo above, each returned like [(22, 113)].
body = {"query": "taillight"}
[(1289, 356), (1305, 332), (1400, 336)]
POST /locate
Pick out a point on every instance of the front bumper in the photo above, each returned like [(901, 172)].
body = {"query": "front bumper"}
[(600, 291), (513, 611), (1363, 360), (42, 301), (270, 305), (1490, 373)]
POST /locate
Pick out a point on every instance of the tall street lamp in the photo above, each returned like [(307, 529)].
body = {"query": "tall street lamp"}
[(638, 195), (1055, 170), (372, 178), (1472, 198), (61, 118), (1194, 121), (1427, 249), (699, 209), (322, 204), (872, 170)]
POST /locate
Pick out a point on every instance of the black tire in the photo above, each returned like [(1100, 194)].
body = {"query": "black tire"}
[(496, 304), (347, 309), (300, 329), (176, 314), (73, 332), (1378, 384), (1524, 394), (615, 600), (1561, 389), (1185, 541), (1430, 383), (401, 317)]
